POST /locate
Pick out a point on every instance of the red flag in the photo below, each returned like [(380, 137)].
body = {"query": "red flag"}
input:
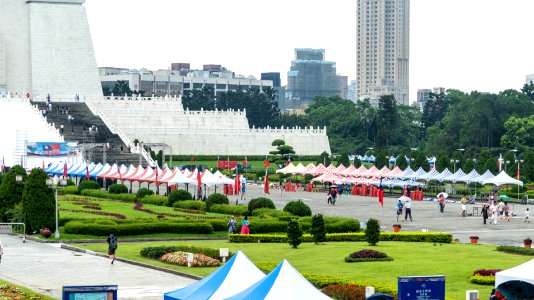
[(288, 161), (87, 172), (380, 193), (65, 170), (266, 164), (156, 174), (245, 162), (518, 173), (266, 183), (199, 179), (237, 185), (120, 175)]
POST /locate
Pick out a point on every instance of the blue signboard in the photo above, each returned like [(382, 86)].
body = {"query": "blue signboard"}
[(421, 287), (90, 292)]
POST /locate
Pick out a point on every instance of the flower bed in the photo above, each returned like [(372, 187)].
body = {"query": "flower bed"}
[(345, 292), (365, 255), (485, 277), (180, 258), (14, 293)]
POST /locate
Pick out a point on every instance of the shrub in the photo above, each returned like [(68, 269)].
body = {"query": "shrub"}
[(142, 192), (89, 185), (484, 272), (317, 229), (516, 250), (179, 195), (226, 209), (190, 204), (275, 213), (38, 204), (428, 237), (484, 280), (106, 195), (365, 255), (345, 292), (180, 258), (155, 200), (260, 203), (372, 232), (340, 225), (298, 208), (139, 227), (216, 199), (294, 233), (70, 190), (117, 188)]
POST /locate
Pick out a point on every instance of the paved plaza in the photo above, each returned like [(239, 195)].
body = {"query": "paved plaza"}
[(46, 268)]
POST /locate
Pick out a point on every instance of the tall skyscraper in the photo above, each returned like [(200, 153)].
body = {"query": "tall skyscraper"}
[(383, 49), (310, 76)]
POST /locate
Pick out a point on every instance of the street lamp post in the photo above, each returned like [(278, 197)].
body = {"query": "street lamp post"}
[(518, 174), (62, 182), (455, 161)]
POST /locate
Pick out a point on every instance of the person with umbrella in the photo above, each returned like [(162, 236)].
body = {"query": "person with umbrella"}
[(407, 207), (400, 207)]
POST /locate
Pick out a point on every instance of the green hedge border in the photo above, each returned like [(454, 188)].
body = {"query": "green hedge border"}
[(428, 237)]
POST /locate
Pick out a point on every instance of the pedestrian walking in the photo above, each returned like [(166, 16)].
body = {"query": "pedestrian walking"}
[(112, 246), (408, 209), (527, 213), (494, 211), (232, 225), (244, 226), (400, 207), (464, 205), (485, 214)]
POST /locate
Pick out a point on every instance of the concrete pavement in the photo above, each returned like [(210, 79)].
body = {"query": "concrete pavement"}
[(46, 268)]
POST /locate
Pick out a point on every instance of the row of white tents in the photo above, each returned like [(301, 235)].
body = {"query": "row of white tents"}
[(395, 176), (139, 174), (240, 279)]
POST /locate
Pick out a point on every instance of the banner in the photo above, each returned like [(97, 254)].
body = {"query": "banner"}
[(49, 149), (227, 164)]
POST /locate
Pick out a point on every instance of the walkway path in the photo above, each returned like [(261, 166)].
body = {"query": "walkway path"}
[(46, 268)]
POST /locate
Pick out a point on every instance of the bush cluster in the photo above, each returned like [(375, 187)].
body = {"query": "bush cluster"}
[(180, 258), (216, 198), (142, 192), (483, 272), (179, 195), (298, 208), (155, 200), (191, 205), (483, 280), (431, 237), (226, 209), (275, 213), (70, 190), (117, 188), (88, 184), (260, 202), (195, 227), (157, 252)]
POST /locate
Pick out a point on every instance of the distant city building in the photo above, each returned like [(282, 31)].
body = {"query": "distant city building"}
[(172, 83), (311, 76), (423, 95), (182, 68), (351, 92), (277, 86), (382, 45)]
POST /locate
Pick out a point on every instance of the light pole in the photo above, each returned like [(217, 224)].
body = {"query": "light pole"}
[(50, 183), (518, 174), (455, 161)]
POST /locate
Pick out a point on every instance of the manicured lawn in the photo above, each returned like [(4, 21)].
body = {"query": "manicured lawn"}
[(456, 261)]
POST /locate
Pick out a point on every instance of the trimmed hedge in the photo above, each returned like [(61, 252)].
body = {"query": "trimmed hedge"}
[(142, 192), (261, 202), (70, 190), (484, 280), (179, 195), (516, 250), (195, 227), (88, 184), (429, 237), (264, 226), (226, 209), (155, 200), (117, 188), (216, 199), (218, 225), (157, 252), (106, 195), (190, 204), (270, 212)]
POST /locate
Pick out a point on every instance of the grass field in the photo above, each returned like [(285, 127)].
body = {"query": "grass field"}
[(456, 261)]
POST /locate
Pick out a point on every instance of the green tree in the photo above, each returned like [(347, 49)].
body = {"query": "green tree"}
[(388, 120), (401, 161), (372, 232), (343, 160), (381, 160), (200, 99), (442, 161), (528, 90), (324, 159), (11, 190), (282, 153), (317, 229), (38, 202), (261, 107), (294, 233), (122, 88), (519, 132), (527, 167)]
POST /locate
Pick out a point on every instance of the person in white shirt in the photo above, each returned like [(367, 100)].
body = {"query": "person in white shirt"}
[(494, 210), (408, 210)]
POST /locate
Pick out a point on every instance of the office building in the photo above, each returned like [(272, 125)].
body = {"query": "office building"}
[(383, 49), (310, 76)]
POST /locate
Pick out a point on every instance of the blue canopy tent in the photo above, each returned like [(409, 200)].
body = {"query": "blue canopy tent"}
[(284, 282), (236, 275)]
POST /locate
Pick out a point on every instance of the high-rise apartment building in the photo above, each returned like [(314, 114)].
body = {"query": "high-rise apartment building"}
[(310, 76), (382, 46)]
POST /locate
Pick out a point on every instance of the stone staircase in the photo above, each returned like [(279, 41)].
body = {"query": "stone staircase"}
[(95, 139)]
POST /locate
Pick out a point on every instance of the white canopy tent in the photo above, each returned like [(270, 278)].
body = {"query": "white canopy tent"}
[(517, 282), (502, 178)]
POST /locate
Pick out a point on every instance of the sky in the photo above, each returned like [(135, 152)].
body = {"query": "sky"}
[(483, 45)]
